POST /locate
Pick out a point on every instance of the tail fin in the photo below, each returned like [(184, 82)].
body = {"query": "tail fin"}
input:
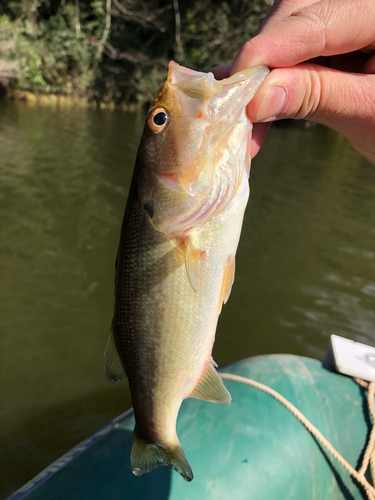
[(145, 457)]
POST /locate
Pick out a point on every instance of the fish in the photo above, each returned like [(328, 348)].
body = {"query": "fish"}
[(176, 258)]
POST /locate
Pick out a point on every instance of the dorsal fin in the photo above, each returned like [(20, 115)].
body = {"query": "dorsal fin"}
[(211, 387), (112, 363)]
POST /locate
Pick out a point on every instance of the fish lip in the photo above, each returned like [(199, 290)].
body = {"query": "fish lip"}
[(173, 67)]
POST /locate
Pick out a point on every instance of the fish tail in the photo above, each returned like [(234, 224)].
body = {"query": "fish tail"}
[(145, 457)]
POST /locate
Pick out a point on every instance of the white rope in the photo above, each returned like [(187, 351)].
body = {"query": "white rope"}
[(369, 456)]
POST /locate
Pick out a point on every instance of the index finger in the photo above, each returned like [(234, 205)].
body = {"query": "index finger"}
[(326, 28)]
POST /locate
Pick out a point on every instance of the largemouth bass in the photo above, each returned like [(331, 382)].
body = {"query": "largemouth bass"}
[(175, 264)]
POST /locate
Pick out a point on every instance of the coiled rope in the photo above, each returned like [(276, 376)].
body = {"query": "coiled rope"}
[(369, 455)]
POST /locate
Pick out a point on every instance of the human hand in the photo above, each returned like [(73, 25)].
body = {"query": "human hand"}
[(325, 68)]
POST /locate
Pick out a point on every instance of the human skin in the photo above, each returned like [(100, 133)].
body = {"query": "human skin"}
[(323, 59)]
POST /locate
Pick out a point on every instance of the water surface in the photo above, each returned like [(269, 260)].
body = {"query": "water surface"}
[(305, 266)]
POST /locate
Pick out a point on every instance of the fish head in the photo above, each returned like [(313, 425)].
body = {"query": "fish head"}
[(194, 147)]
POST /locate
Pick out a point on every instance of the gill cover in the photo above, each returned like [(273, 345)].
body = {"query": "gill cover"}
[(195, 146)]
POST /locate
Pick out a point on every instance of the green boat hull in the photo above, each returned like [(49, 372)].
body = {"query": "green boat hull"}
[(252, 449)]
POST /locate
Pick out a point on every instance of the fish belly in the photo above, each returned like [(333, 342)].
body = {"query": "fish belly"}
[(164, 330)]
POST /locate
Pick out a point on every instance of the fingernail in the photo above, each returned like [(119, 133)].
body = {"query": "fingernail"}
[(273, 102)]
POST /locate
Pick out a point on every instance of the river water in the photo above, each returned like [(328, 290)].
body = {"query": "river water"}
[(305, 266)]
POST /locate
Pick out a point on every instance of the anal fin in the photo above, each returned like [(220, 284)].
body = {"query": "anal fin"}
[(211, 387), (112, 363)]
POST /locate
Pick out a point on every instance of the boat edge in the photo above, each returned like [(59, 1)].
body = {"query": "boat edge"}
[(65, 459)]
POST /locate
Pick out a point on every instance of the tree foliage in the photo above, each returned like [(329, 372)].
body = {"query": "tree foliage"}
[(118, 50)]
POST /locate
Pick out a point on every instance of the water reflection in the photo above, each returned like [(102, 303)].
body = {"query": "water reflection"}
[(305, 265)]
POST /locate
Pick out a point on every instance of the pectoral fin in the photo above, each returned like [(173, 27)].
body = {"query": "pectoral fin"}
[(112, 363), (211, 388), (192, 259)]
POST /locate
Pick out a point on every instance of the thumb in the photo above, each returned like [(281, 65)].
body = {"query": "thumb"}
[(342, 101)]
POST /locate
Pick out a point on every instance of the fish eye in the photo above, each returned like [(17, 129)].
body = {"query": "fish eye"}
[(157, 119)]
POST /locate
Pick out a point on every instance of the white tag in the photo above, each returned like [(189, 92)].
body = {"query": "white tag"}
[(353, 358)]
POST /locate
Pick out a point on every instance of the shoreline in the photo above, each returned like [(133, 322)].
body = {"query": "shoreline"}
[(64, 100), (68, 101)]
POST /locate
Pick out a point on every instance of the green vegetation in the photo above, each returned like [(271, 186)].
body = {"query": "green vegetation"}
[(116, 51)]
